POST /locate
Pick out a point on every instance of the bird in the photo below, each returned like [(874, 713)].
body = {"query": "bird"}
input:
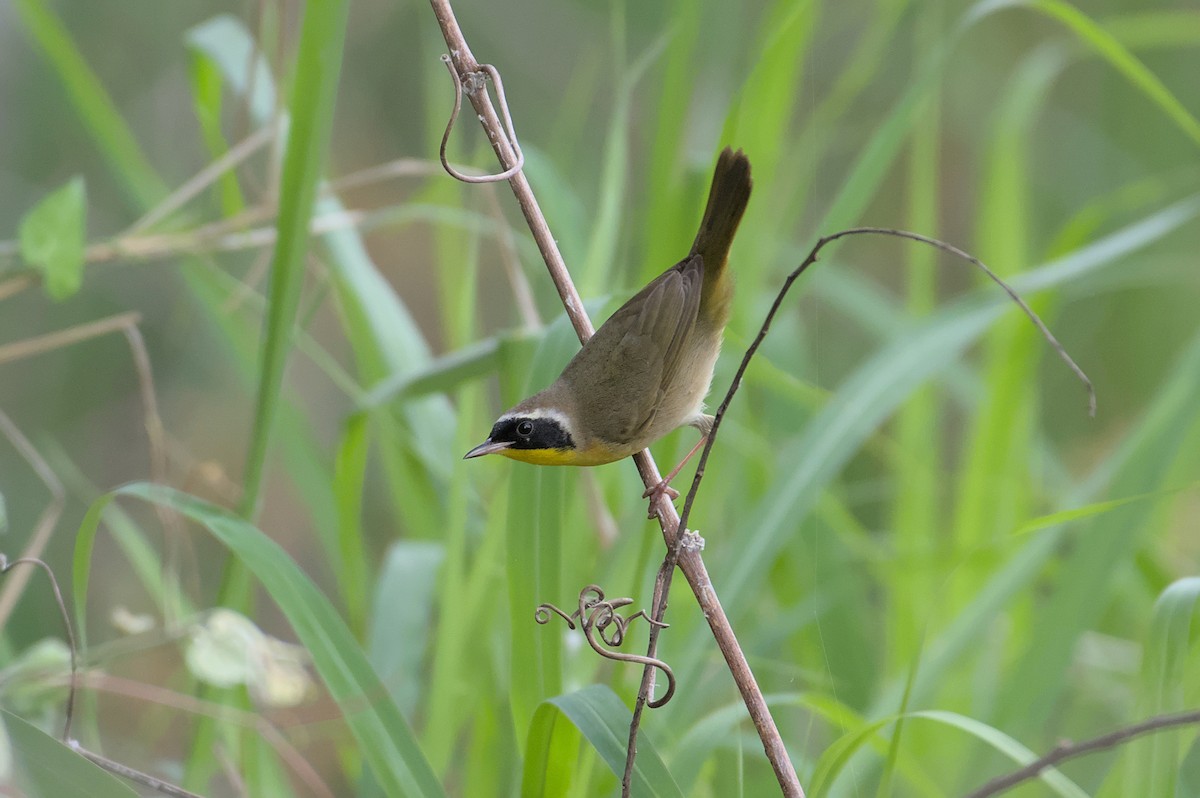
[(646, 371)]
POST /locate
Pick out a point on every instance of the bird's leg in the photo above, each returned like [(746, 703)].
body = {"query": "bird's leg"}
[(664, 486)]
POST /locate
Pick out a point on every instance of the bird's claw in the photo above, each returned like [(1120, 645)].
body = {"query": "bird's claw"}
[(654, 492)]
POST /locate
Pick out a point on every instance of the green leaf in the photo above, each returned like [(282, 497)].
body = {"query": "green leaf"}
[(207, 94), (386, 741), (604, 721), (399, 633), (537, 505), (551, 751), (1154, 761), (224, 42), (50, 768), (838, 755), (1189, 773), (52, 236)]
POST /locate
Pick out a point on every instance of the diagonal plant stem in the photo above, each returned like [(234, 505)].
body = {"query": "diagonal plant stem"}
[(468, 71), (663, 583), (1067, 750)]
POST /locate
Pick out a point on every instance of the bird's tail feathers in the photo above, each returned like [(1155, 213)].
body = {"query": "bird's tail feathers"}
[(726, 203)]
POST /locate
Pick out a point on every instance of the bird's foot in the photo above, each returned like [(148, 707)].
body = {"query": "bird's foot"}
[(655, 492)]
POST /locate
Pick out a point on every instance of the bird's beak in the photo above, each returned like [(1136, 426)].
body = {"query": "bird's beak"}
[(487, 447)]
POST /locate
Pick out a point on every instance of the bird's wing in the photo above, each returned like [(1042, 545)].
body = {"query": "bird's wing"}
[(645, 340), (684, 308)]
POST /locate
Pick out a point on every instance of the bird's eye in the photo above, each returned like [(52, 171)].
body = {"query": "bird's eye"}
[(525, 428)]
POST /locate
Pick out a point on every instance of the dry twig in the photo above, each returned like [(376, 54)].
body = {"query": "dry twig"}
[(467, 69), (1067, 750), (663, 582)]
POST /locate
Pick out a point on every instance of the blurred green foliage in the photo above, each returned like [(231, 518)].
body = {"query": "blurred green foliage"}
[(936, 562)]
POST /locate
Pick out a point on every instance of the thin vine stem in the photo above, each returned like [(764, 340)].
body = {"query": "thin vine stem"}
[(680, 546)]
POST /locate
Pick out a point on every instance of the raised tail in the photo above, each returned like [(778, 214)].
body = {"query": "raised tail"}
[(726, 203)]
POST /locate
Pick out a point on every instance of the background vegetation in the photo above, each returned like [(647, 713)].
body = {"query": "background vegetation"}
[(935, 560)]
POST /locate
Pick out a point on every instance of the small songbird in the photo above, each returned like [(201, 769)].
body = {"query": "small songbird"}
[(647, 369)]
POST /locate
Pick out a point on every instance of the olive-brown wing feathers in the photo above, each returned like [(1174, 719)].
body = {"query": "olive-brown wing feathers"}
[(620, 376)]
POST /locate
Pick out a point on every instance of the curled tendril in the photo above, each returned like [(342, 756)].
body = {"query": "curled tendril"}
[(600, 618), (476, 81)]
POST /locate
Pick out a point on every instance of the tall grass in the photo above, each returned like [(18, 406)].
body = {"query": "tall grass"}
[(936, 563)]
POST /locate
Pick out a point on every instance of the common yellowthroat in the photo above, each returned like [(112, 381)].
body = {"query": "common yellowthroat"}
[(647, 369)]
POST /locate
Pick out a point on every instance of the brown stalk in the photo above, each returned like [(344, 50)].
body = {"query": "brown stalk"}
[(662, 584), (467, 70), (1068, 750)]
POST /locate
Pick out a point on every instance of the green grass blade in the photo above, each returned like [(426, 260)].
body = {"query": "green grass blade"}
[(994, 490), (877, 387), (1151, 765), (604, 722), (965, 631), (386, 741), (97, 110), (1085, 584), (536, 523), (998, 740), (1189, 773), (402, 617), (386, 340), (838, 755), (862, 182), (667, 216), (551, 752), (766, 101), (843, 751), (439, 376), (52, 769), (915, 513), (207, 95), (318, 65), (349, 476), (224, 41), (1108, 47)]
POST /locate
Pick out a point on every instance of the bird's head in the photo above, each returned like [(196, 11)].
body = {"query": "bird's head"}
[(538, 435)]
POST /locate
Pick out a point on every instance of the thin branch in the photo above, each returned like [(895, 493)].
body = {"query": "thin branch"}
[(991, 275), (663, 582), (126, 323), (1067, 750), (204, 178), (5, 567), (166, 697), (466, 68), (690, 562), (137, 776), (29, 347), (15, 285)]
